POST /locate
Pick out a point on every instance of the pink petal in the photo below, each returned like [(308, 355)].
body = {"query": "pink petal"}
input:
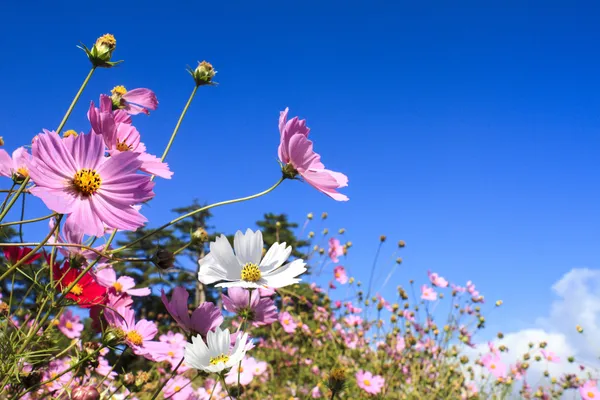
[(143, 97)]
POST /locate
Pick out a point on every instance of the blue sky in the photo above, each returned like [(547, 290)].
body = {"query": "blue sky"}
[(471, 131)]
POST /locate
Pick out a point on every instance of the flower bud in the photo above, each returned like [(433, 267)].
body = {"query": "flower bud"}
[(203, 74), (1, 141), (164, 259), (85, 393), (311, 235), (101, 52), (382, 238), (325, 231), (579, 328), (200, 235), (399, 260), (401, 243), (310, 216)]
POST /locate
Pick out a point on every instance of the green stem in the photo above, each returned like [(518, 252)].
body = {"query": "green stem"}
[(225, 386), (22, 217), (12, 189), (14, 199), (75, 99), (213, 389), (160, 387), (28, 221), (174, 221), (179, 121)]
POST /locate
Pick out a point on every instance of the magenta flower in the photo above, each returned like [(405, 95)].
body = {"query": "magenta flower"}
[(287, 322), (428, 293), (122, 137), (138, 335), (68, 235), (69, 325), (107, 277), (178, 388), (368, 382), (437, 280), (589, 390), (335, 249), (73, 177), (260, 310), (550, 356), (134, 101), (339, 273), (207, 317), (14, 167), (297, 154)]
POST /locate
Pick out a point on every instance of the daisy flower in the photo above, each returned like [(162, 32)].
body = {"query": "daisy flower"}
[(245, 268), (218, 355), (73, 177)]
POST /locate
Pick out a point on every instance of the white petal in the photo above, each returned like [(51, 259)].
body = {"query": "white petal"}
[(239, 283), (223, 255), (210, 273), (248, 246), (285, 275), (224, 342), (275, 257)]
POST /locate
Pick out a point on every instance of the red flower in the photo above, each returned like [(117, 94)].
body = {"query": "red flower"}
[(14, 253), (86, 293)]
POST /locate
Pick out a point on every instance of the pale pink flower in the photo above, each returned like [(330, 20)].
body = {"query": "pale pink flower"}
[(266, 292), (335, 249), (138, 335), (259, 367), (70, 325), (175, 346), (134, 101), (368, 382), (315, 393), (386, 304), (400, 343), (550, 356), (246, 372), (107, 277), (67, 234), (428, 293), (178, 388), (287, 322), (353, 320), (14, 167), (339, 273), (437, 280), (296, 152), (73, 177), (589, 390), (493, 363)]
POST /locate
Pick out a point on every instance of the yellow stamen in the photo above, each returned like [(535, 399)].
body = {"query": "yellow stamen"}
[(70, 132), (251, 272), (107, 40), (221, 358), (69, 325), (135, 338), (122, 146), (87, 181), (367, 382), (23, 171), (119, 90), (77, 290), (177, 389), (591, 395), (171, 354), (118, 287)]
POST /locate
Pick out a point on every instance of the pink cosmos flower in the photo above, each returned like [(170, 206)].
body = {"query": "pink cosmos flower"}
[(68, 235), (315, 393), (178, 388), (493, 363), (287, 321), (122, 137), (73, 177), (550, 356), (353, 320), (69, 325), (296, 152), (260, 310), (266, 292), (54, 370), (205, 318), (384, 303), (339, 273), (258, 367), (107, 277), (134, 101), (246, 371), (16, 166), (368, 382), (437, 280), (400, 343), (175, 345), (428, 293), (138, 335), (335, 249), (589, 390)]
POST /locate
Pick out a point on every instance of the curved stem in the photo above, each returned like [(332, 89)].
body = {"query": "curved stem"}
[(29, 221), (213, 389), (225, 386), (160, 387), (174, 221), (14, 198), (75, 99), (179, 121)]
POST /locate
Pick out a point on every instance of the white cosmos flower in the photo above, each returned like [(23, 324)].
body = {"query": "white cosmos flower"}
[(218, 355), (245, 268)]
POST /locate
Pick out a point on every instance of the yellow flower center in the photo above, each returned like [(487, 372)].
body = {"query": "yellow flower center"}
[(171, 354), (77, 290), (69, 325), (286, 321), (70, 132), (107, 40), (250, 272), (23, 171), (241, 369), (591, 395), (118, 287), (122, 146), (177, 389), (367, 382), (493, 366), (135, 338), (87, 181), (220, 358), (119, 90)]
